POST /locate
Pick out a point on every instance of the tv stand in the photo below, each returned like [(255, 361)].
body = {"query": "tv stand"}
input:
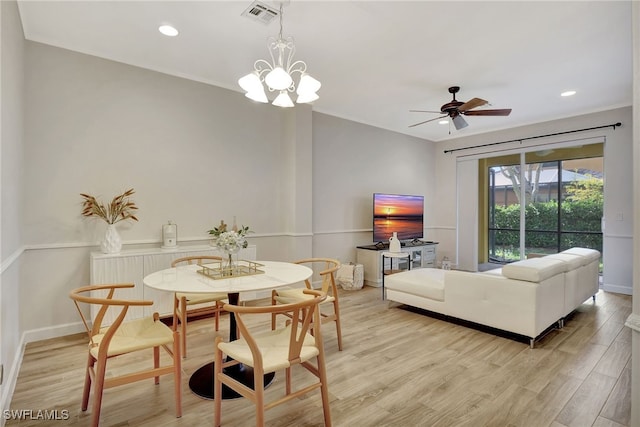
[(422, 255)]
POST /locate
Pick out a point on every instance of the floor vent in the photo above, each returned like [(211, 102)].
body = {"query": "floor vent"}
[(260, 12)]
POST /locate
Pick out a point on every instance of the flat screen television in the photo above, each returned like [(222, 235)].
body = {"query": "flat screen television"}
[(397, 212)]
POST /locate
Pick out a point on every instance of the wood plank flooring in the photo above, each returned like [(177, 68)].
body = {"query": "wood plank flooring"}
[(398, 368)]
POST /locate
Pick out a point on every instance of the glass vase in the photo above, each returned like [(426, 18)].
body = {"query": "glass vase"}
[(230, 261)]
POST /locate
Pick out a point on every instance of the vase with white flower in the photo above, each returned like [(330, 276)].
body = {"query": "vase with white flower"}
[(229, 242), (121, 208)]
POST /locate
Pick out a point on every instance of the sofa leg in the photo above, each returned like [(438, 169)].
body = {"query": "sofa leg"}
[(594, 297), (532, 342)]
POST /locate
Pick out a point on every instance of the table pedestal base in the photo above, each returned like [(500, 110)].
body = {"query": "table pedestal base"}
[(201, 381)]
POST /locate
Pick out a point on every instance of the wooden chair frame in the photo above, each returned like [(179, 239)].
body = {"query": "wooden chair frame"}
[(97, 366), (329, 287), (181, 302), (308, 313)]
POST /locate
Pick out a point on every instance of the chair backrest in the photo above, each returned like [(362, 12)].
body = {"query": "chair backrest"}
[(330, 266), (83, 295), (305, 310), (195, 259)]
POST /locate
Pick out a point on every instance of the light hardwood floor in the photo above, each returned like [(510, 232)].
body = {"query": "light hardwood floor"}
[(398, 368)]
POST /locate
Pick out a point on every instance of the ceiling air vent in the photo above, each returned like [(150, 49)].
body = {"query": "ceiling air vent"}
[(260, 12)]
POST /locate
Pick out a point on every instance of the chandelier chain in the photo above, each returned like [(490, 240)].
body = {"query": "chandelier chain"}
[(280, 34)]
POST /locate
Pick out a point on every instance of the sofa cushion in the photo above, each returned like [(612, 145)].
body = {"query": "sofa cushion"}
[(589, 255), (423, 282), (495, 271), (534, 269), (573, 260)]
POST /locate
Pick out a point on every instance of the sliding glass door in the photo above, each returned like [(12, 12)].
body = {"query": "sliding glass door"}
[(504, 214), (543, 204)]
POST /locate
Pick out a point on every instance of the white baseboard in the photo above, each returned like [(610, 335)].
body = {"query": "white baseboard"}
[(633, 322), (10, 380), (618, 289), (372, 284), (52, 332)]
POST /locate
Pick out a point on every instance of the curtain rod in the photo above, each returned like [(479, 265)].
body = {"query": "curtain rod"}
[(613, 125)]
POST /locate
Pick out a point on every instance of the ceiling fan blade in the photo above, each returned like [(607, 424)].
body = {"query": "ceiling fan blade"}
[(427, 121), (425, 111), (503, 112), (473, 103)]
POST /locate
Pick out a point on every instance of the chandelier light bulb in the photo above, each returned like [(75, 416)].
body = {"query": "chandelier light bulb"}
[(257, 95), (308, 85), (250, 82), (283, 100), (278, 79), (307, 97)]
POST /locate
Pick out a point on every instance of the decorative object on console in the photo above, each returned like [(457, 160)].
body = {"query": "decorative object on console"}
[(111, 243), (394, 243), (278, 74), (169, 236), (121, 208)]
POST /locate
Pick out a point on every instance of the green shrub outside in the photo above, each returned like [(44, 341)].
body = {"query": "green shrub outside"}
[(579, 216)]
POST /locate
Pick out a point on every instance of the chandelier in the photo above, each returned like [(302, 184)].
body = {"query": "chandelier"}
[(278, 74)]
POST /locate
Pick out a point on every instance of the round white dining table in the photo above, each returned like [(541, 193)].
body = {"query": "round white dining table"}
[(187, 279)]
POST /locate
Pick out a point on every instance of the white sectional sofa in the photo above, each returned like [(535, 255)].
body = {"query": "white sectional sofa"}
[(525, 297), (582, 277)]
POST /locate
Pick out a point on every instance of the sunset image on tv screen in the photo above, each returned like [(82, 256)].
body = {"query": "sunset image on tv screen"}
[(400, 213)]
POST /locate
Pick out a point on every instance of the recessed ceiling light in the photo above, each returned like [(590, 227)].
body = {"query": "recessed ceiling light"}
[(168, 30), (443, 122), (568, 93)]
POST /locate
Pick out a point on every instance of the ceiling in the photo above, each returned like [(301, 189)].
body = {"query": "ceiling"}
[(377, 59)]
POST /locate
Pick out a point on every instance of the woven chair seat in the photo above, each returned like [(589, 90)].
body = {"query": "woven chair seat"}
[(135, 335)]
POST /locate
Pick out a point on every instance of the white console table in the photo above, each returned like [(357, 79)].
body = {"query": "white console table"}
[(131, 266), (421, 255)]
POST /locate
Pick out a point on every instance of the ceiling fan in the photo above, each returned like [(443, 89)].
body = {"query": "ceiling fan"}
[(456, 109)]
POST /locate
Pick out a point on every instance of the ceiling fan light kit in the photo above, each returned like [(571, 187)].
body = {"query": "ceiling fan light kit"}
[(278, 74), (456, 109), (459, 122)]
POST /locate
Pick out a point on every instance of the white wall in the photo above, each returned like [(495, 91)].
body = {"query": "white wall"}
[(191, 151), (618, 167), (11, 155), (351, 161)]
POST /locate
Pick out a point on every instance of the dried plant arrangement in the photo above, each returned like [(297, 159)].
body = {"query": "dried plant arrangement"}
[(121, 208)]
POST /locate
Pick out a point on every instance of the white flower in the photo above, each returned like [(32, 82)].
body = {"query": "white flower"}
[(231, 241)]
